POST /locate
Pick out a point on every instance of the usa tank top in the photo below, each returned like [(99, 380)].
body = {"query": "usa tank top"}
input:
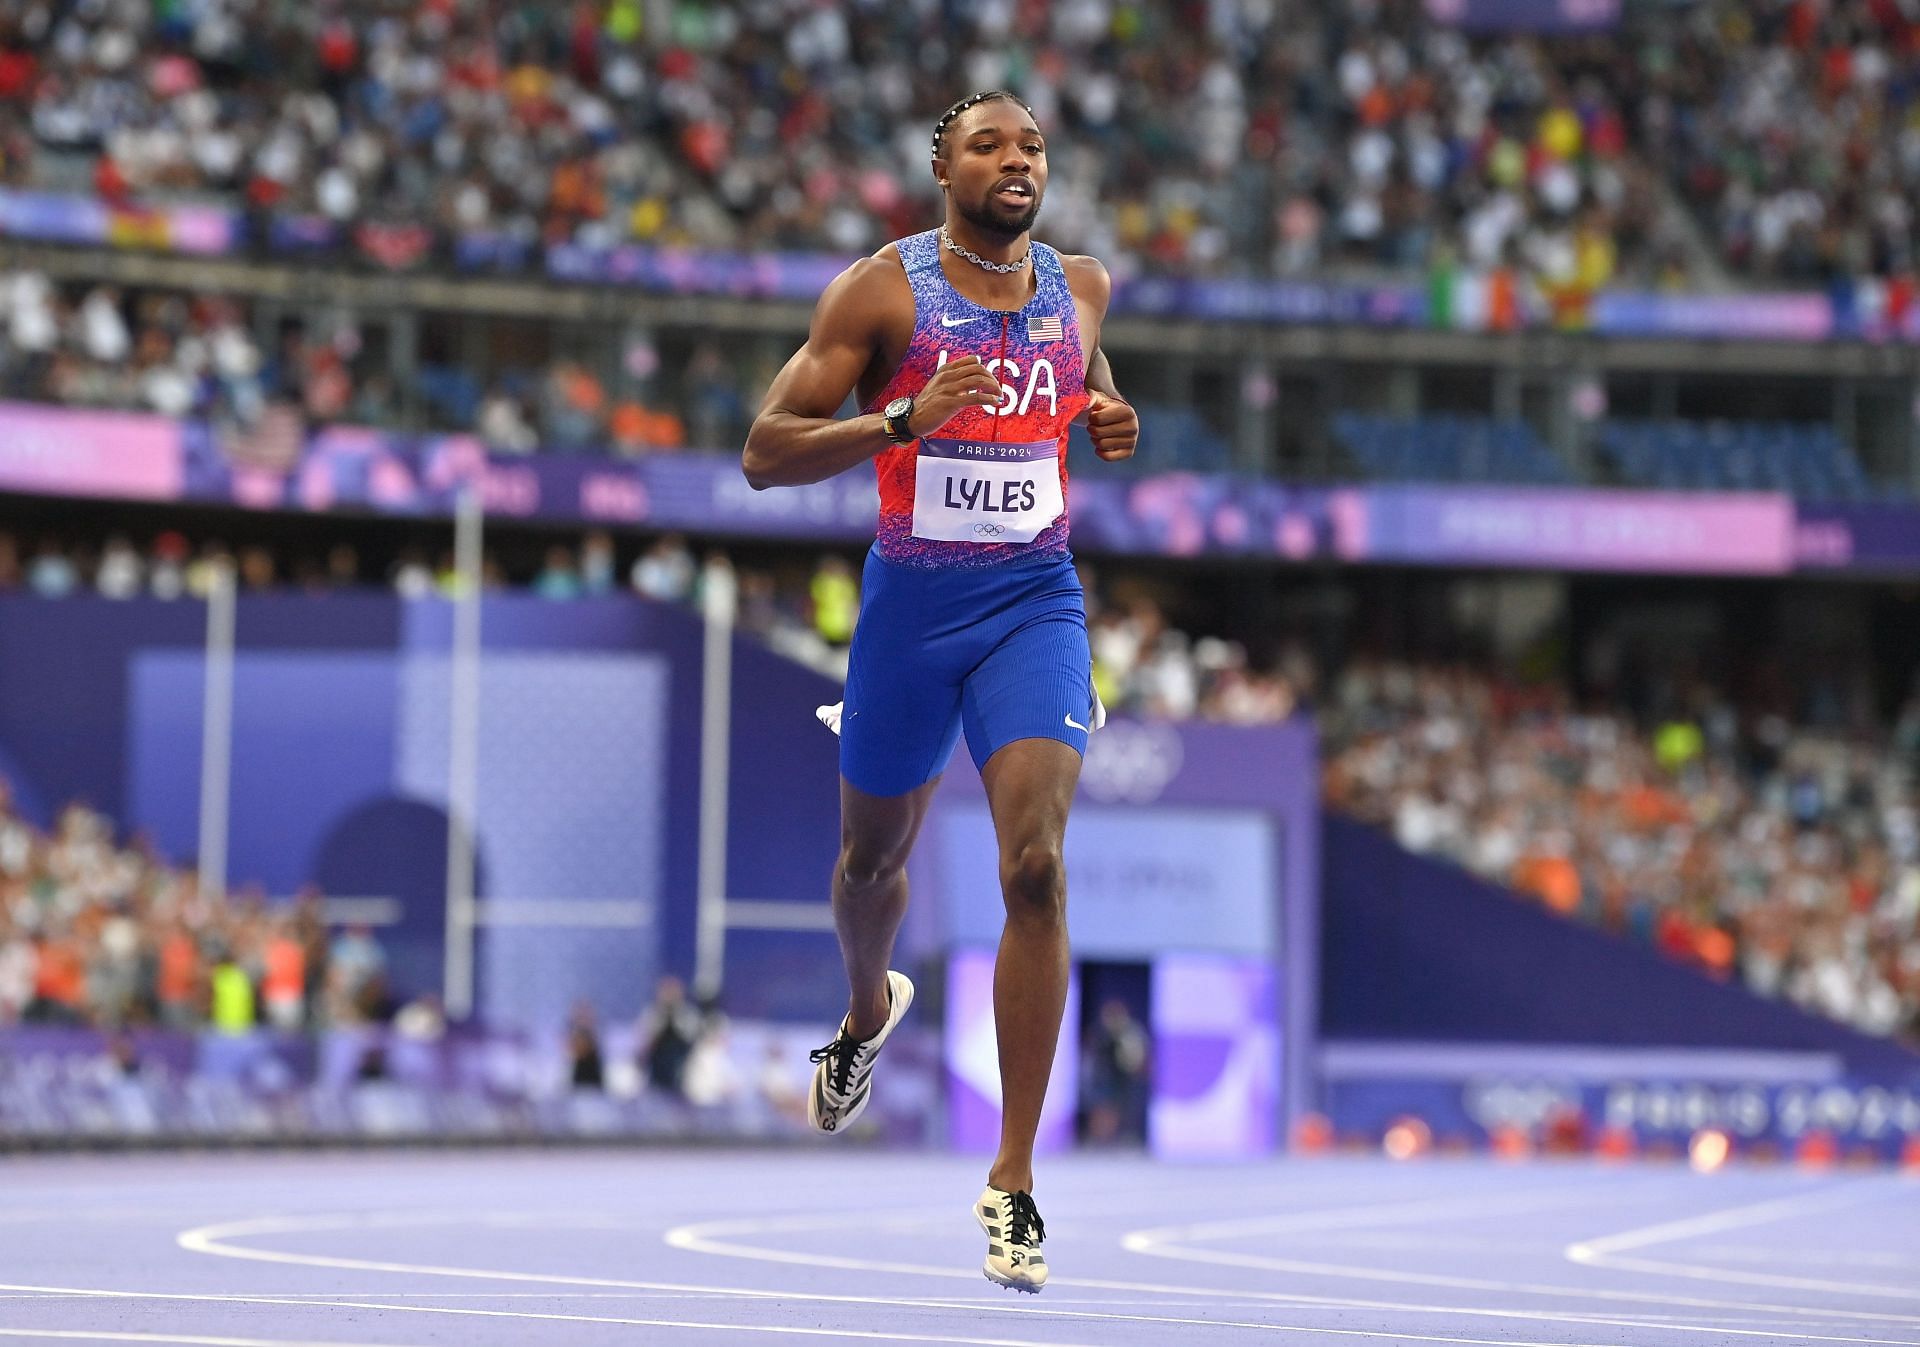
[(990, 484)]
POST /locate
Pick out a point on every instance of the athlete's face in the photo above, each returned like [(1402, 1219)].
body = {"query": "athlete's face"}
[(995, 169)]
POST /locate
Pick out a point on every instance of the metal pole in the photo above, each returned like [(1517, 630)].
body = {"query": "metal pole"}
[(463, 757), (216, 732), (719, 604)]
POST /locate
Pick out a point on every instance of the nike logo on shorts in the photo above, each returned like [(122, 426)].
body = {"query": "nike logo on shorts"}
[(1078, 726), (948, 320)]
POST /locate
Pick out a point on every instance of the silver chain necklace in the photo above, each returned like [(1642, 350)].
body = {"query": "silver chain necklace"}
[(1004, 268)]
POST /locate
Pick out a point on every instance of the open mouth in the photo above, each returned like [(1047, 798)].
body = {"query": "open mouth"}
[(1016, 192)]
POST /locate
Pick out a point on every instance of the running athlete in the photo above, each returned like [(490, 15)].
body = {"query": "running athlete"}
[(972, 349)]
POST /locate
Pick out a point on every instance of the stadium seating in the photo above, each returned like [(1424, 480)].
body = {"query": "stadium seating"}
[(1447, 449), (1806, 459)]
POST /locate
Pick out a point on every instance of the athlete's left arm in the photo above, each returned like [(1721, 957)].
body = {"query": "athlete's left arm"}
[(1112, 424)]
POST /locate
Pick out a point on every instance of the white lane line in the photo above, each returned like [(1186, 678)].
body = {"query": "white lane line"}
[(1171, 1241), (890, 1335), (698, 1238), (792, 1330), (1759, 1253), (1606, 1251), (109, 1335), (211, 1239)]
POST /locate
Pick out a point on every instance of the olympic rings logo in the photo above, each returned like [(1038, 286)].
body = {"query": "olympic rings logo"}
[(1132, 761), (987, 529)]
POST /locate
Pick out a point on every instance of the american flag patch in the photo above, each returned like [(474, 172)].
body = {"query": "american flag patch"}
[(1044, 329)]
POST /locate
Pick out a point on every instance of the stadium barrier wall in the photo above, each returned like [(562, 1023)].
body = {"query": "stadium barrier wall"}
[(1451, 999), (63, 452)]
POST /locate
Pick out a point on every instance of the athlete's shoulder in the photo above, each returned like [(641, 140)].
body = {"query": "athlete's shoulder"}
[(880, 272), (1088, 279), (867, 295)]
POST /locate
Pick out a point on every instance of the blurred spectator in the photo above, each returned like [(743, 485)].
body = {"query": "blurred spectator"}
[(716, 410), (665, 570), (1116, 1086), (234, 1008), (118, 575), (421, 1020), (283, 981), (558, 579), (585, 1069), (357, 977), (52, 573), (167, 574), (835, 599), (711, 1078), (503, 426), (597, 564), (666, 1033)]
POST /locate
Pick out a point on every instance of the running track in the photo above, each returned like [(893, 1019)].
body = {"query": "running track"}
[(839, 1245)]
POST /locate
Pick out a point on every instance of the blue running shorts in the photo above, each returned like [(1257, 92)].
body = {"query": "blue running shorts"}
[(999, 650)]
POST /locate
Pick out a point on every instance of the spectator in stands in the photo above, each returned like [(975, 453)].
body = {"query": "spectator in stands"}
[(167, 568), (667, 1031), (665, 571), (119, 573), (52, 574), (283, 977), (234, 1000), (1116, 1064), (585, 1070), (597, 564), (711, 1078), (716, 409), (19, 971), (503, 426), (559, 578), (834, 595), (357, 978)]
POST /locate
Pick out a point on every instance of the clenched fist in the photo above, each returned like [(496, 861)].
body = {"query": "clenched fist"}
[(1112, 425), (960, 383)]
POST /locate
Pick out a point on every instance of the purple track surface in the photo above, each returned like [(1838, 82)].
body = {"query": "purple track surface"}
[(702, 1246)]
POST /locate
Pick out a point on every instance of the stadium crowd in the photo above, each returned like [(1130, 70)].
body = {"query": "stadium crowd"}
[(1746, 845), (1782, 854), (1190, 138), (1788, 126), (96, 931), (202, 355)]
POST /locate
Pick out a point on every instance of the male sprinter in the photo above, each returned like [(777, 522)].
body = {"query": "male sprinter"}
[(972, 348)]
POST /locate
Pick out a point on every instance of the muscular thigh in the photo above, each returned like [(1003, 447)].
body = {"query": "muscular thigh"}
[(877, 831), (904, 673), (1036, 684)]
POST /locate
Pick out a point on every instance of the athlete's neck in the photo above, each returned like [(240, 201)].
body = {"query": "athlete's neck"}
[(993, 290), (993, 246)]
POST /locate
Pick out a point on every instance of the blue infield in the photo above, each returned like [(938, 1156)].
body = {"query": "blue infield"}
[(699, 1246)]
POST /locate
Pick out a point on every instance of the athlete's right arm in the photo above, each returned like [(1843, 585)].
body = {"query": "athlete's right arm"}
[(796, 438)]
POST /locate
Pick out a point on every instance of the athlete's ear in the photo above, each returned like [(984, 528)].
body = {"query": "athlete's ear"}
[(940, 173)]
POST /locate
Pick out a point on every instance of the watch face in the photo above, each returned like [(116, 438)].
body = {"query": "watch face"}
[(899, 407)]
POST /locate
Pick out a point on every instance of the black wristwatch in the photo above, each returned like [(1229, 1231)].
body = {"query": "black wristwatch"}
[(894, 416)]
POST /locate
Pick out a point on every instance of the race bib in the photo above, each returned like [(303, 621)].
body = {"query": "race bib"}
[(979, 491)]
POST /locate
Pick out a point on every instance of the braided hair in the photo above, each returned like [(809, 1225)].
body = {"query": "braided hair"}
[(971, 100)]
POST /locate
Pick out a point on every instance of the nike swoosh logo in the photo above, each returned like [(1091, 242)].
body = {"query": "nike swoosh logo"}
[(1078, 726), (948, 320)]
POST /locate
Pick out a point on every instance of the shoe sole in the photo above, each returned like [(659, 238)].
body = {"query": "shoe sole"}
[(986, 1269), (1025, 1288), (829, 1126)]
